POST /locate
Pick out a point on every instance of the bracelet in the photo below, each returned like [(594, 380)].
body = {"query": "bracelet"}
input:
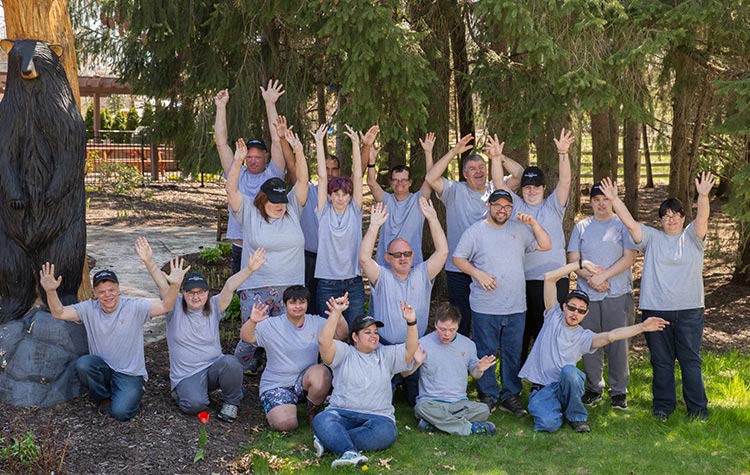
[(411, 323), (561, 153), (580, 263), (371, 165)]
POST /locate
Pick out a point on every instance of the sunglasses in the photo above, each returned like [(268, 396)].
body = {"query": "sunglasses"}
[(398, 255), (581, 311)]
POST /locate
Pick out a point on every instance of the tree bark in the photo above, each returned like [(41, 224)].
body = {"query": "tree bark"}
[(603, 146), (464, 102), (741, 275), (647, 158), (631, 164)]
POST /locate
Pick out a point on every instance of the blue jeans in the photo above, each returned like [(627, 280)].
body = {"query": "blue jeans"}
[(681, 339), (225, 373), (458, 294), (507, 331), (236, 256), (337, 288), (103, 382), (340, 430), (562, 398)]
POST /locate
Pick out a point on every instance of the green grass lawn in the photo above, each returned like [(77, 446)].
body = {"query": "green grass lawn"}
[(630, 442)]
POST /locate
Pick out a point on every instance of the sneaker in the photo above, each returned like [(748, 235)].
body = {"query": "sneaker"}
[(318, 447), (257, 362), (661, 417), (489, 400), (228, 412), (425, 426), (620, 401), (312, 411), (350, 458), (482, 428), (513, 406), (590, 398), (579, 426)]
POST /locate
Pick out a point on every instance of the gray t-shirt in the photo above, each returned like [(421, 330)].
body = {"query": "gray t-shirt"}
[(442, 376), (309, 219), (362, 381), (499, 251), (282, 239), (249, 185), (290, 349), (193, 340), (549, 214), (405, 220), (672, 269), (339, 237), (117, 337), (463, 207), (389, 291), (603, 243), (557, 346)]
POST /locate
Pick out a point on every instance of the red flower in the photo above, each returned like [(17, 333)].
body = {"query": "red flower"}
[(204, 417)]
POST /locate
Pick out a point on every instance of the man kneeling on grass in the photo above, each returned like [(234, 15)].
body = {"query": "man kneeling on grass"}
[(445, 357), (556, 383)]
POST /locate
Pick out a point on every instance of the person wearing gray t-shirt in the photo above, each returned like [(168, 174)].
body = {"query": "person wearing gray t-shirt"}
[(115, 369), (556, 383), (672, 288)]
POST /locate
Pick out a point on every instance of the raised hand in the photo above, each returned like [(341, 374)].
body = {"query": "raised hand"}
[(654, 324), (143, 249), (320, 134), (420, 355), (407, 311), (176, 270), (47, 277), (281, 126), (373, 154), (272, 93), (352, 135), (428, 143), (337, 305), (487, 281), (485, 362), (293, 140), (495, 149), (463, 144), (609, 188), (222, 98), (427, 209), (259, 312), (379, 214), (240, 152), (525, 218), (703, 187), (256, 259), (368, 138), (564, 142)]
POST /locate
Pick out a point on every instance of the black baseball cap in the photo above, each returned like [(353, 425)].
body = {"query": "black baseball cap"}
[(275, 189), (578, 294), (596, 190), (256, 143), (364, 321), (532, 176), (498, 194), (194, 280), (105, 275)]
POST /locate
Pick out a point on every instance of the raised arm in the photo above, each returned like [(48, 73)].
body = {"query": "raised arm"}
[(257, 315), (551, 278), (143, 249), (703, 187), (335, 312), (427, 145), (368, 142), (370, 267), (609, 188), (176, 275), (562, 190), (434, 175), (543, 241), (286, 149), (372, 177), (270, 95), (412, 338), (322, 171), (652, 324), (301, 190), (220, 131), (497, 159), (437, 260), (356, 167), (234, 195), (256, 260), (516, 172), (50, 285)]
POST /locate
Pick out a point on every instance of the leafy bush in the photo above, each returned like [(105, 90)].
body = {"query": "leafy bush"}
[(123, 178)]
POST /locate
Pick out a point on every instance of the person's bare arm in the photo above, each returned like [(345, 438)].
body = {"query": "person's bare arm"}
[(166, 303), (434, 175), (144, 251), (609, 188), (516, 173), (301, 190), (372, 177), (543, 241), (652, 324), (257, 315), (220, 131), (551, 278), (621, 265), (482, 365), (437, 260), (322, 171), (412, 338), (270, 95), (703, 187), (368, 143), (234, 195), (486, 280), (50, 285), (256, 260), (335, 312), (286, 149), (495, 151), (427, 145), (356, 167), (562, 190), (370, 267)]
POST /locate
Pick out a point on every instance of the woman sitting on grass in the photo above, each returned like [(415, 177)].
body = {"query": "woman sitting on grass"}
[(361, 414)]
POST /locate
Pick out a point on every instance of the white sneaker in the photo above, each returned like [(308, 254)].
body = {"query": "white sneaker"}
[(318, 447), (228, 412), (350, 458)]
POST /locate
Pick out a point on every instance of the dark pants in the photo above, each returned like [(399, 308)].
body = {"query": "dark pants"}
[(458, 294), (681, 339), (311, 283), (236, 258), (535, 311), (410, 383)]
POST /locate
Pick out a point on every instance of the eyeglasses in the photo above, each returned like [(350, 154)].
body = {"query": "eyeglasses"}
[(672, 217), (581, 311), (196, 293), (446, 330), (398, 255), (506, 208)]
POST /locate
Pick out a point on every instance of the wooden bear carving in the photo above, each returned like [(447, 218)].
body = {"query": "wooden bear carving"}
[(42, 198)]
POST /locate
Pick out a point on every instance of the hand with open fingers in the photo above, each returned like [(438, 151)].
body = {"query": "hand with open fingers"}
[(485, 362), (487, 281), (320, 134), (609, 188), (428, 143), (420, 355), (368, 138), (338, 304), (259, 312), (654, 324), (428, 210), (379, 214), (373, 154), (495, 149), (240, 152), (274, 90), (352, 136), (177, 270), (525, 218), (47, 277), (143, 249), (407, 311), (294, 141), (564, 142), (257, 259), (463, 144), (704, 185), (281, 126), (222, 98)]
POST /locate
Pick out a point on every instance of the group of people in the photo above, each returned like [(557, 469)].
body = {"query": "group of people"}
[(299, 258)]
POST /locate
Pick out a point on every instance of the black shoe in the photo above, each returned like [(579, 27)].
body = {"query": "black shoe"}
[(661, 417), (579, 426), (257, 362), (489, 400), (620, 402), (513, 406), (590, 398)]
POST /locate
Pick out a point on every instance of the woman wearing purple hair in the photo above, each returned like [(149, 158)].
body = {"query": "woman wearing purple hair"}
[(340, 231)]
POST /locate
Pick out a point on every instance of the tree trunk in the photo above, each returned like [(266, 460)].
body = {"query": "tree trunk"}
[(741, 275), (464, 102), (647, 157), (631, 164), (49, 20), (603, 146)]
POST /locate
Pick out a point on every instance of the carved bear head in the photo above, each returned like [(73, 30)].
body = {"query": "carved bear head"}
[(22, 53)]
